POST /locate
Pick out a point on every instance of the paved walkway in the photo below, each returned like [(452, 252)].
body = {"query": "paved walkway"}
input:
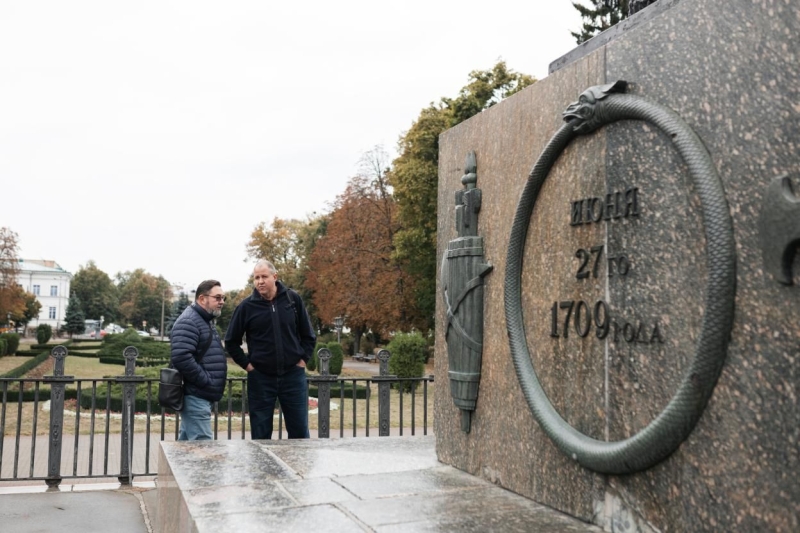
[(87, 508)]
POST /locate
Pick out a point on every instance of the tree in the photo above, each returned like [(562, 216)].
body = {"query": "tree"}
[(10, 292), (26, 306), (140, 297), (97, 293), (74, 319), (352, 271), (415, 178), (599, 17), (176, 309), (232, 299), (288, 245)]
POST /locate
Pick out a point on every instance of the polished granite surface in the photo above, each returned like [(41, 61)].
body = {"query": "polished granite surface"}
[(360, 484)]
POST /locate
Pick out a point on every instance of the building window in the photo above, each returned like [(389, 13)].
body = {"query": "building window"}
[(52, 313), (36, 290), (53, 290)]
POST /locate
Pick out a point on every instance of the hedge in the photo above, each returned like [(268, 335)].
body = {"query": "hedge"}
[(361, 391), (140, 361), (50, 345), (77, 353)]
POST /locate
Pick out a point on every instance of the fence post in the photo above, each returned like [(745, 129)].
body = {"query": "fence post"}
[(323, 382), (128, 381), (58, 382), (384, 392)]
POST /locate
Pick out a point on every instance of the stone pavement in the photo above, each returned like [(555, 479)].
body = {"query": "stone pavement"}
[(87, 508), (389, 484)]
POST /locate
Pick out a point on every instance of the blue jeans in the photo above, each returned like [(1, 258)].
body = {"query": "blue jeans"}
[(291, 390), (195, 419)]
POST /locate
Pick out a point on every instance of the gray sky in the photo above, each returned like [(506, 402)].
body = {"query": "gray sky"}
[(158, 134)]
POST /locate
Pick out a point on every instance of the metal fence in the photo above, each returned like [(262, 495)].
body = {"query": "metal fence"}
[(118, 422)]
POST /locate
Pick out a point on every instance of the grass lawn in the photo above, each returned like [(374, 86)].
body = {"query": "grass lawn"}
[(10, 362)]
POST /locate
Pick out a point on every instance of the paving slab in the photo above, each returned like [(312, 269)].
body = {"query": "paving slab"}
[(358, 484), (85, 511)]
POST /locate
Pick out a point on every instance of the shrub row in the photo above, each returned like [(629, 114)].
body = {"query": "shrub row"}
[(51, 345), (140, 361), (361, 391), (78, 353)]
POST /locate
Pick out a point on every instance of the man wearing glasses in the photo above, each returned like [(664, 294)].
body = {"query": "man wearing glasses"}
[(197, 353), (280, 340)]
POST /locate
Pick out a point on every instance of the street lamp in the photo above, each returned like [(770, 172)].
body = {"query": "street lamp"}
[(338, 323)]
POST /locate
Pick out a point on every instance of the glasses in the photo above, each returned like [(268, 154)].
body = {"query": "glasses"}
[(217, 297)]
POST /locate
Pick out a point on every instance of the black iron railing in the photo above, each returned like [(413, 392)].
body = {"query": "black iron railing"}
[(109, 427)]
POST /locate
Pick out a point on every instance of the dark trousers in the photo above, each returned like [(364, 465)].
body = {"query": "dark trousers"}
[(291, 390)]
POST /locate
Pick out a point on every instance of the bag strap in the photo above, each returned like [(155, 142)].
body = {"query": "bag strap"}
[(293, 296)]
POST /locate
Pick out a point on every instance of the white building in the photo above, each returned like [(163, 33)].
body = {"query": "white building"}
[(50, 284)]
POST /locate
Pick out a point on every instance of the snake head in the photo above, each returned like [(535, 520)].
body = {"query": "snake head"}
[(583, 110)]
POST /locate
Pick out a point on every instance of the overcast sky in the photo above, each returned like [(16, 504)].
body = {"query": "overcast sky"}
[(158, 134)]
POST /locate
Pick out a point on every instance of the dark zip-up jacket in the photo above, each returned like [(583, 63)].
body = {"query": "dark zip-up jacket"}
[(279, 333), (189, 336)]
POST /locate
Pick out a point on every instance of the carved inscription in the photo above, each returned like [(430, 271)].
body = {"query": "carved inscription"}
[(615, 205), (581, 317)]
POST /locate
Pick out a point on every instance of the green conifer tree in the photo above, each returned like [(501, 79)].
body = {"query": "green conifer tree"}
[(599, 17), (178, 307), (75, 321)]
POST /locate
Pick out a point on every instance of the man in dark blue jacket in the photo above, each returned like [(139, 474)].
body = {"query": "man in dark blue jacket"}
[(197, 353), (280, 340)]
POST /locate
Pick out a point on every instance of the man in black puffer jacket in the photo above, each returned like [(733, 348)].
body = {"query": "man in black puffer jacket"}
[(280, 340), (198, 355)]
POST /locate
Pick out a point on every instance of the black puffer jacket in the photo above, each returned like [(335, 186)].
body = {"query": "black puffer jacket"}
[(279, 333), (189, 336)]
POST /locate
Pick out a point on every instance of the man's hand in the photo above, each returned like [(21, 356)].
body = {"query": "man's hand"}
[(249, 367), (301, 364)]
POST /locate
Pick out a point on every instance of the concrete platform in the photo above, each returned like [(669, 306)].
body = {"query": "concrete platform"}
[(360, 484)]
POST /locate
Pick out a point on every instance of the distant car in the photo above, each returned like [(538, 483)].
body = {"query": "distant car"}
[(112, 328), (142, 333)]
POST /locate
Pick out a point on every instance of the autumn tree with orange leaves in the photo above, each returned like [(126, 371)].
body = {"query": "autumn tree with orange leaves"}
[(352, 272)]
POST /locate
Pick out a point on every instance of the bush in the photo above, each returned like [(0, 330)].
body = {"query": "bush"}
[(114, 345), (43, 333), (408, 357), (12, 342), (313, 364), (337, 391), (3, 346), (337, 359)]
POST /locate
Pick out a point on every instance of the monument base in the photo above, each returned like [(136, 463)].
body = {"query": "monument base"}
[(359, 484)]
